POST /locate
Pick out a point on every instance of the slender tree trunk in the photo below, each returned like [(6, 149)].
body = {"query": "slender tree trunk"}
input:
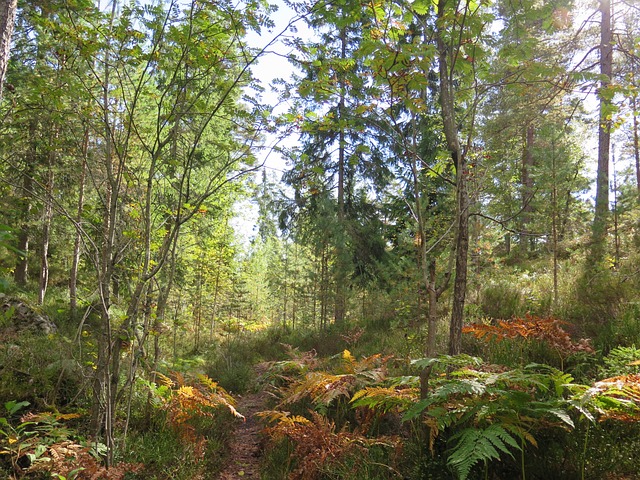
[(636, 145), (198, 304), (554, 225), (601, 218), (341, 276), (616, 232), (103, 415), (75, 262), (21, 272), (427, 267), (216, 289), (7, 18), (636, 155), (447, 104), (47, 218), (161, 309), (527, 190), (285, 296), (324, 288)]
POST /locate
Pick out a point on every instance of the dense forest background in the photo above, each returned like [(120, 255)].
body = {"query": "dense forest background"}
[(443, 278)]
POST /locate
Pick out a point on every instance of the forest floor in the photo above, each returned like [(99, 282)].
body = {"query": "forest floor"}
[(245, 451)]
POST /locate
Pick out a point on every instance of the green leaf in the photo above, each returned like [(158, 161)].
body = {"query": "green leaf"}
[(421, 7), (477, 445), (416, 410), (562, 415), (12, 406)]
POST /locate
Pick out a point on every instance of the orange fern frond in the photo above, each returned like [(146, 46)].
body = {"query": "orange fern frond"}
[(317, 444), (548, 330)]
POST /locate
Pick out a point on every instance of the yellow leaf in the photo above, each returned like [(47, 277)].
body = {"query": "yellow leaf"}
[(186, 391)]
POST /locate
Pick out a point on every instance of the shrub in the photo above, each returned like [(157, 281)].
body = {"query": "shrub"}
[(621, 361), (501, 299)]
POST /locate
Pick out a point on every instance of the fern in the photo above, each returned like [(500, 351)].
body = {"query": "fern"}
[(447, 361), (548, 330), (283, 418), (616, 397), (385, 399), (318, 447), (475, 445)]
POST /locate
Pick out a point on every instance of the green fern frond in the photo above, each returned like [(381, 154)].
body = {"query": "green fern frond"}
[(562, 415), (447, 361), (207, 382), (416, 409), (475, 445), (384, 399), (521, 432), (459, 387), (408, 381)]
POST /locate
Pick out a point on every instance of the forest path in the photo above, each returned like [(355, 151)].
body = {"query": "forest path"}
[(244, 456)]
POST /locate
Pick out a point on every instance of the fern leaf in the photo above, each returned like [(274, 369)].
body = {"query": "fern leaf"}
[(208, 382), (384, 398), (562, 415), (521, 433), (476, 446), (164, 380), (416, 409), (348, 358), (273, 416)]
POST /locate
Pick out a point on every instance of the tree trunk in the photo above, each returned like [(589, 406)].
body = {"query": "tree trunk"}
[(447, 104), (7, 18), (636, 154), (432, 316), (526, 243), (21, 272), (103, 413), (554, 226), (46, 232), (75, 262), (636, 145), (324, 288), (462, 250), (341, 277), (601, 218)]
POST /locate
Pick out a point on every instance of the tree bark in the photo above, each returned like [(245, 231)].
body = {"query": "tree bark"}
[(7, 18), (47, 218), (636, 155), (447, 104), (21, 272), (75, 262), (527, 190), (601, 218), (636, 146)]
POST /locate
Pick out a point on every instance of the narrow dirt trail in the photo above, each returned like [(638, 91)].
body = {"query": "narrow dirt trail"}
[(244, 456)]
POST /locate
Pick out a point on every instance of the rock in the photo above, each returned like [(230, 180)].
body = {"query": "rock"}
[(23, 317)]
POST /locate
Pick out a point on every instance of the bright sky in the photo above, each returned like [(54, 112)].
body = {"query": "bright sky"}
[(271, 65)]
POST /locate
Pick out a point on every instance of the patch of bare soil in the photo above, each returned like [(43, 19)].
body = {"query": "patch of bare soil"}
[(244, 456)]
